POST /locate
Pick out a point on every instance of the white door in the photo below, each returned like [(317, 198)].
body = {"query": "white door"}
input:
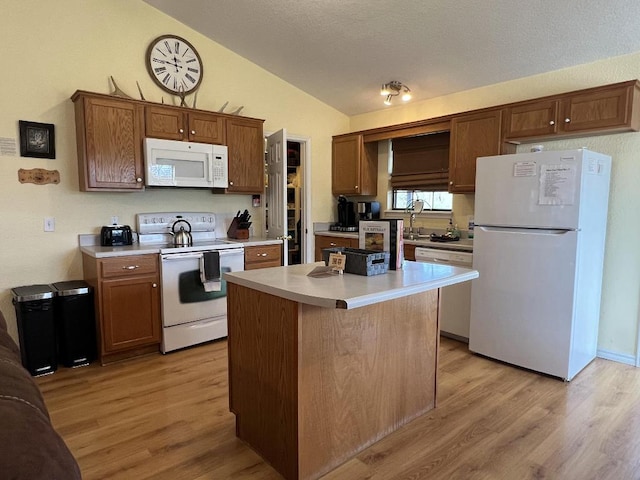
[(277, 190)]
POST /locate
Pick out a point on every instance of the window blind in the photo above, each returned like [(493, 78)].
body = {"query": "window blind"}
[(421, 163)]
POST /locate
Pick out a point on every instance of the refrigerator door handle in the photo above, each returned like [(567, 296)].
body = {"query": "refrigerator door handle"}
[(527, 231)]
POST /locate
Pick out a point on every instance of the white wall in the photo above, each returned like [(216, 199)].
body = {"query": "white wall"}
[(53, 49), (621, 289)]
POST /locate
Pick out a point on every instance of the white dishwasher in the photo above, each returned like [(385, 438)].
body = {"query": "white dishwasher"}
[(455, 300)]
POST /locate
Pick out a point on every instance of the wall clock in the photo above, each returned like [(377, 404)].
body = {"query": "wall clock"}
[(174, 64)]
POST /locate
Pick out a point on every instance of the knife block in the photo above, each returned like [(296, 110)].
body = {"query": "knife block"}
[(236, 232)]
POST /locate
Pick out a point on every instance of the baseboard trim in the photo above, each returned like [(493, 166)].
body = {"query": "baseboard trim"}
[(616, 357)]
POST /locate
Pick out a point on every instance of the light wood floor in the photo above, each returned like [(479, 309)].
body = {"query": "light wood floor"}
[(167, 417)]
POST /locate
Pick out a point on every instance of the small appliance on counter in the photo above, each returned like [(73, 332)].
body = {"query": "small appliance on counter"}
[(116, 235), (347, 220), (368, 210)]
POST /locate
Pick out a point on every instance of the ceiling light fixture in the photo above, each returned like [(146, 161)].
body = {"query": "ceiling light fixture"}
[(393, 89)]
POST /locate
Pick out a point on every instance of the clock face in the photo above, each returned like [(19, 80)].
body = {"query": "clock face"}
[(174, 64)]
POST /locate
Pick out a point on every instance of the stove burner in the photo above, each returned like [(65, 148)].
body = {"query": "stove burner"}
[(340, 228)]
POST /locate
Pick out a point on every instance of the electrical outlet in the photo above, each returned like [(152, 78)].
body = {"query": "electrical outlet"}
[(49, 224), (114, 220)]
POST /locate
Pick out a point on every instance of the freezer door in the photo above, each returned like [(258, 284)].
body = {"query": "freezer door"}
[(538, 190), (522, 304)]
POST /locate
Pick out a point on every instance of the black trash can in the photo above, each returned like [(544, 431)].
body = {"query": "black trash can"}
[(36, 327), (75, 323)]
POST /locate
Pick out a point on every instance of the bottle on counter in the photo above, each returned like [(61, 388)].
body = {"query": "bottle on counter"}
[(471, 226)]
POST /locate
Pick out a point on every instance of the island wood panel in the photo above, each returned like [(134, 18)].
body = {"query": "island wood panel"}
[(263, 370), (311, 387)]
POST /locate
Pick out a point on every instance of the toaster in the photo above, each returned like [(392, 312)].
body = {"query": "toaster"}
[(116, 235)]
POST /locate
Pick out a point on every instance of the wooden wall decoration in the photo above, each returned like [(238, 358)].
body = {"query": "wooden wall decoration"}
[(39, 176)]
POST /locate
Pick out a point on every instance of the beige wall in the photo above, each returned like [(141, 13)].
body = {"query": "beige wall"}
[(621, 289), (54, 48), (58, 47)]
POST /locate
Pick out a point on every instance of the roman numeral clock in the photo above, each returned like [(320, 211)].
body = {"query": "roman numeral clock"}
[(174, 65)]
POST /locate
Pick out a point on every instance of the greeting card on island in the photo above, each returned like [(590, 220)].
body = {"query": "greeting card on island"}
[(383, 235)]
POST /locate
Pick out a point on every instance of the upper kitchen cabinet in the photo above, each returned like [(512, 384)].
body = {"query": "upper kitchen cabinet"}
[(175, 123), (354, 166), (109, 138), (472, 136), (245, 140), (607, 109)]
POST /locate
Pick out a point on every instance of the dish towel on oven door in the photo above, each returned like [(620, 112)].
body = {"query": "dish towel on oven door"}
[(210, 271)]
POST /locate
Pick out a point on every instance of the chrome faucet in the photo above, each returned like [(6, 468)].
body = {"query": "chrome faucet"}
[(416, 207)]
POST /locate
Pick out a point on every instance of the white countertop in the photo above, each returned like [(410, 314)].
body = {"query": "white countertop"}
[(349, 290), (97, 251), (464, 244)]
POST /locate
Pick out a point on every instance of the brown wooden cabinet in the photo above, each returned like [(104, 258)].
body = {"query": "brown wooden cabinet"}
[(409, 252), (173, 123), (109, 139), (262, 256), (354, 166), (330, 241), (472, 136), (245, 140), (606, 109), (127, 304)]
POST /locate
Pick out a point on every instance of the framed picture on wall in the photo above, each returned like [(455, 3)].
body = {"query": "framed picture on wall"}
[(37, 140)]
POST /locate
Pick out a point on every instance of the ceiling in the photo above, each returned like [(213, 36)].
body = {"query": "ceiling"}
[(342, 51)]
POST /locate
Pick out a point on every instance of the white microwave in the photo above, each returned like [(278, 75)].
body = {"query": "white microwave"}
[(171, 163)]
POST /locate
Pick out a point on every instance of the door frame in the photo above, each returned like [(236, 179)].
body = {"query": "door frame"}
[(308, 253)]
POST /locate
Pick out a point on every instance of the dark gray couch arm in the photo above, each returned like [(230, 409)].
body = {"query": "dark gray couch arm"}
[(30, 448)]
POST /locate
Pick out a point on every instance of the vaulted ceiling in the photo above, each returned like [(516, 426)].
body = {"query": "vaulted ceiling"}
[(342, 51)]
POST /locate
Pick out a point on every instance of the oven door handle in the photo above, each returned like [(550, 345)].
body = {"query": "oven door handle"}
[(182, 256)]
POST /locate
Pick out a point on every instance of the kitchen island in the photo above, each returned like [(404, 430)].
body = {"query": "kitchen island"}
[(321, 368)]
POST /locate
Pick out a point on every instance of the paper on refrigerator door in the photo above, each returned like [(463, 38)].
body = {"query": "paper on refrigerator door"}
[(557, 184)]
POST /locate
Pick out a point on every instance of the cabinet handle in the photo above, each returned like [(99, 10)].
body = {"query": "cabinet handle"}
[(262, 254), (139, 179), (193, 132), (333, 244), (181, 130), (130, 267), (451, 182), (567, 120), (356, 187), (552, 122), (230, 183), (154, 285)]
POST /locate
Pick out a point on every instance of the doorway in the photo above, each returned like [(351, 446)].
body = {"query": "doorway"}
[(294, 202)]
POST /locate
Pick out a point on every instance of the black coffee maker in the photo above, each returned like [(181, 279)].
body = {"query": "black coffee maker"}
[(346, 213)]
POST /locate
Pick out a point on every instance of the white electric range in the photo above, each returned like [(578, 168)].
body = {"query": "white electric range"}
[(194, 304)]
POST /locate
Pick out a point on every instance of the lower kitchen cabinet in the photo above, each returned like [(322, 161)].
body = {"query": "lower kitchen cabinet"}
[(331, 241), (127, 304), (409, 252), (262, 256)]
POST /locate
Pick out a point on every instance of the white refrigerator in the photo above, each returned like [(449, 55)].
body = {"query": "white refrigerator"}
[(539, 246)]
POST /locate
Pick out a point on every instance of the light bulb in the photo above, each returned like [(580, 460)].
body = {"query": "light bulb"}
[(384, 90), (406, 96), (387, 101)]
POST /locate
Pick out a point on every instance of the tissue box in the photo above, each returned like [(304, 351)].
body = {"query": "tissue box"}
[(360, 262)]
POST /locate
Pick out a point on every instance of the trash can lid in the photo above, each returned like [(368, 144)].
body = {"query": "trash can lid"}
[(71, 287), (28, 293)]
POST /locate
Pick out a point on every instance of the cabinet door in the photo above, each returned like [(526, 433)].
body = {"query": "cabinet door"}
[(472, 136), (245, 141), (109, 137), (535, 119), (354, 166), (262, 256), (130, 315), (165, 122), (328, 241), (206, 128), (602, 109)]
